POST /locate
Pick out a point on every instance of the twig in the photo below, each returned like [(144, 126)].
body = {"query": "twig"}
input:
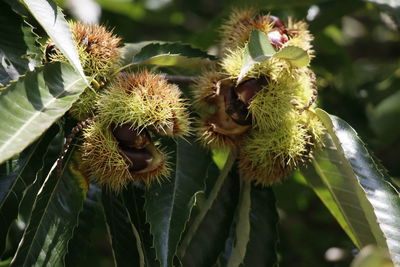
[(79, 127), (181, 79)]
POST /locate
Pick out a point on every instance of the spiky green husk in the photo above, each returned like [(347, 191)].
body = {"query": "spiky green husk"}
[(99, 53), (210, 138), (284, 128), (105, 163), (268, 155), (274, 103), (205, 86), (83, 107), (98, 49), (145, 100), (236, 29)]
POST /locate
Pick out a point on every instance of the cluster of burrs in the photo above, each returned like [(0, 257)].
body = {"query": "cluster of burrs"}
[(268, 114), (125, 113)]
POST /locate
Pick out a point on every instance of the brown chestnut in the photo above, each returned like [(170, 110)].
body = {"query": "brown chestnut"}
[(137, 159), (127, 136)]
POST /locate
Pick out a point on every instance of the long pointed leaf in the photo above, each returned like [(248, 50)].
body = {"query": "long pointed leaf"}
[(83, 247), (208, 239), (371, 180), (123, 233), (32, 104), (54, 217), (133, 199), (167, 54), (29, 163), (254, 236), (168, 205), (51, 18), (258, 49)]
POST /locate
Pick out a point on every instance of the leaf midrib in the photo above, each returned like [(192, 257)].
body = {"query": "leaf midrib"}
[(35, 115)]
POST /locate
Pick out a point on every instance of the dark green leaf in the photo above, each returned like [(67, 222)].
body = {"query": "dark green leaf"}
[(326, 195), (130, 50), (14, 184), (209, 239), (17, 46), (254, 236), (261, 248), (171, 54), (169, 204), (360, 181), (123, 233), (54, 217), (257, 50), (51, 18), (330, 180), (32, 104), (134, 202), (85, 239)]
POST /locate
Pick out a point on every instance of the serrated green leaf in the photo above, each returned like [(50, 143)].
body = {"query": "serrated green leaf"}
[(133, 200), (32, 104), (171, 54), (254, 236), (263, 229), (356, 179), (316, 182), (297, 56), (257, 50), (123, 233), (169, 204), (13, 184), (54, 217), (50, 157), (130, 50), (342, 187), (52, 19), (207, 241), (18, 49), (82, 246)]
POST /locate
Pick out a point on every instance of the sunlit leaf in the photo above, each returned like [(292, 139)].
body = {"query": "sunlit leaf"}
[(297, 56), (257, 50), (52, 19), (32, 104), (367, 197)]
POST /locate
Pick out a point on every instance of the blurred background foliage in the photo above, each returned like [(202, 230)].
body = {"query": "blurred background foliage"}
[(357, 60)]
